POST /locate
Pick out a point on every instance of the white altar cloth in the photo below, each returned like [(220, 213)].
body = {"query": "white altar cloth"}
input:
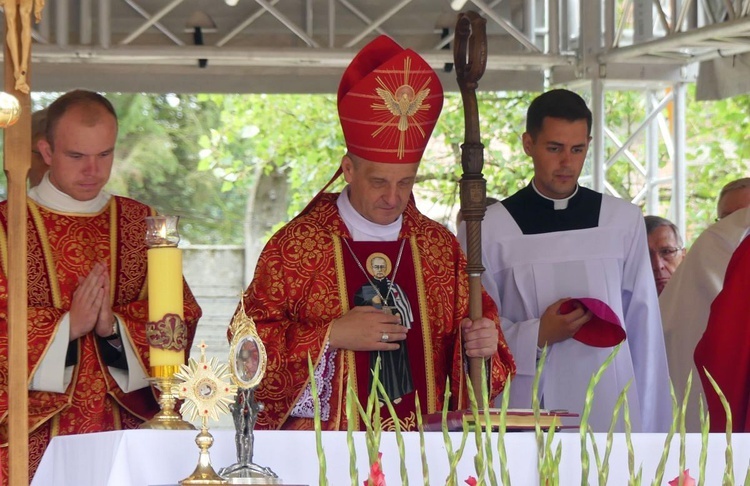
[(155, 457)]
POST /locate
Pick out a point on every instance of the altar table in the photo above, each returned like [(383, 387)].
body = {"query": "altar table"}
[(156, 457)]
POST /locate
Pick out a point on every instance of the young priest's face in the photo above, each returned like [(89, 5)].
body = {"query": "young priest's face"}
[(378, 191), (80, 156), (558, 151)]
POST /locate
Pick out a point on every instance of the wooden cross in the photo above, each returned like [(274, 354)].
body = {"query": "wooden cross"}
[(17, 160)]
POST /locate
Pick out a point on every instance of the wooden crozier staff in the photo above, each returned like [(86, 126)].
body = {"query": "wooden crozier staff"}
[(470, 58), (17, 160)]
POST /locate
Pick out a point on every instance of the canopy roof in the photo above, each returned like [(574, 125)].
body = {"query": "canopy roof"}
[(274, 46)]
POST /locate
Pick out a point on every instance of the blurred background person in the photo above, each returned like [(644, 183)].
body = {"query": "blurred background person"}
[(686, 301), (38, 132), (733, 196), (665, 249)]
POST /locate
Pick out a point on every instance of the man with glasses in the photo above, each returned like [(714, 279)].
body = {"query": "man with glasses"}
[(665, 249)]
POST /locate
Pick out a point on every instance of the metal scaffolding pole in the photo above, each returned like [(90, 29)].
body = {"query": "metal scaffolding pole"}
[(679, 163), (597, 133), (652, 157)]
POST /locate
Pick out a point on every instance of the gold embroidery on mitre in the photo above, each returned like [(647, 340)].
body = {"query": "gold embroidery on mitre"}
[(403, 103)]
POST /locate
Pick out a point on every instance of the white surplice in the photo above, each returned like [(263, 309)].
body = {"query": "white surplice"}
[(686, 301), (525, 273)]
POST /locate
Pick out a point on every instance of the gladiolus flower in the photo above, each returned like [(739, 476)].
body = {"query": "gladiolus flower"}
[(686, 479), (377, 478)]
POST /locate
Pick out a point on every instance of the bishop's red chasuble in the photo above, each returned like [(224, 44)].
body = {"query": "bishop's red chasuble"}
[(62, 247), (308, 275), (723, 350)]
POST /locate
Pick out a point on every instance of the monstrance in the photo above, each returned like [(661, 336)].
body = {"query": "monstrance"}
[(247, 362), (207, 393)]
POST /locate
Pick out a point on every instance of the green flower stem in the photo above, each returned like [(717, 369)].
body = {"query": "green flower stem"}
[(552, 460), (451, 479), (351, 397), (633, 479), (604, 469), (459, 454), (668, 440), (704, 441), (399, 435), (479, 457), (728, 455), (373, 415), (535, 407), (322, 480), (683, 408), (587, 411), (501, 452), (422, 451), (595, 447), (487, 430)]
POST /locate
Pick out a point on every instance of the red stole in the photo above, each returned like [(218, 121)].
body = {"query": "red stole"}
[(415, 341)]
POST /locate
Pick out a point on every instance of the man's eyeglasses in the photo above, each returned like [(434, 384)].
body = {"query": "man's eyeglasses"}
[(668, 253)]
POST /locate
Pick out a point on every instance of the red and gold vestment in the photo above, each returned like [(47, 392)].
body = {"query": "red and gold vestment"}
[(61, 248), (723, 350), (303, 281)]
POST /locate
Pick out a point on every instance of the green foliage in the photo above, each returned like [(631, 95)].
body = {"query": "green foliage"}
[(157, 162), (298, 135), (198, 156)]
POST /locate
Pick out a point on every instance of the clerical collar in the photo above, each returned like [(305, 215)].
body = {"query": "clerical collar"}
[(361, 228), (558, 204), (47, 195)]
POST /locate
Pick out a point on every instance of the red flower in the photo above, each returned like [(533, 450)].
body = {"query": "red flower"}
[(686, 479), (471, 481), (377, 478)]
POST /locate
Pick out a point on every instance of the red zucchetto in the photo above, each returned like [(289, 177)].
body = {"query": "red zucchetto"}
[(389, 100)]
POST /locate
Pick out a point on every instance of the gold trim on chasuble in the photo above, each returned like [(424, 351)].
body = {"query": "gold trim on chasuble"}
[(3, 249), (426, 329), (348, 356), (114, 257), (49, 264), (57, 302), (113, 241)]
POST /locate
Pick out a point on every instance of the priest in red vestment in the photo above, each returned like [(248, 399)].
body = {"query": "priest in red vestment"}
[(363, 274), (87, 300), (723, 350)]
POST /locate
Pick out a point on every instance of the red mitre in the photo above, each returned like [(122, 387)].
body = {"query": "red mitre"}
[(389, 100)]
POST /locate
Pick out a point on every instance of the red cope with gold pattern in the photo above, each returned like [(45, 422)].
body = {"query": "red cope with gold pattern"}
[(62, 247), (301, 285)]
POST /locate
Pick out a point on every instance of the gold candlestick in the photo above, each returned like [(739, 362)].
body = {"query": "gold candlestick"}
[(166, 331), (167, 418)]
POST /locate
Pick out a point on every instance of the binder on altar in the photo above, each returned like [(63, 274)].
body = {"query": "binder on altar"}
[(516, 419)]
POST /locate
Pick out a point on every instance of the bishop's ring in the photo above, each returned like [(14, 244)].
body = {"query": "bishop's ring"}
[(384, 337)]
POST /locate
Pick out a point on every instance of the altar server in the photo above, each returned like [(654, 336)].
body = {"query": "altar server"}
[(554, 240)]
